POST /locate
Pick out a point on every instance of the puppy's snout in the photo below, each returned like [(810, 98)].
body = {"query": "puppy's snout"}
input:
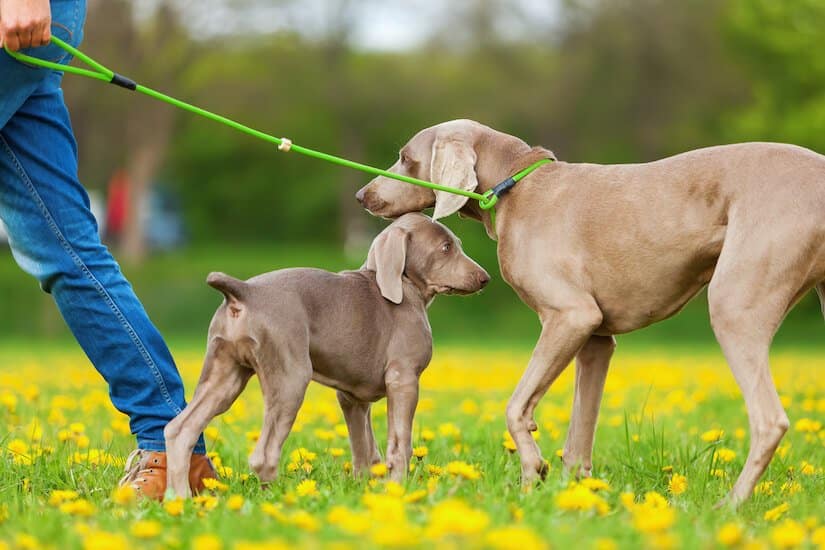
[(359, 196)]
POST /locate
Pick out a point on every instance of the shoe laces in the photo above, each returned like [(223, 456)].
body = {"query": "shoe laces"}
[(132, 466)]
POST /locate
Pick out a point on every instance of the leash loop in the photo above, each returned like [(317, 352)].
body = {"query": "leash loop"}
[(98, 71)]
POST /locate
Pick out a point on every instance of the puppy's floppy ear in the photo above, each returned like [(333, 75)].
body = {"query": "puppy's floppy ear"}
[(387, 257), (453, 164)]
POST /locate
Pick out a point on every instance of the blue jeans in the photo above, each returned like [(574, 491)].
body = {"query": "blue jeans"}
[(54, 237)]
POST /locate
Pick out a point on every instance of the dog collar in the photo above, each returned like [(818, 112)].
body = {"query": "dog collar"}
[(502, 188)]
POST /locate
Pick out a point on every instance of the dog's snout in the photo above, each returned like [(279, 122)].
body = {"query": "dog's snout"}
[(483, 278), (359, 196)]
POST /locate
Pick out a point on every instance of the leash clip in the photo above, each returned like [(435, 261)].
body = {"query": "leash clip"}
[(285, 145)]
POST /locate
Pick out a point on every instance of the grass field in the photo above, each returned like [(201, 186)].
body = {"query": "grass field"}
[(672, 438)]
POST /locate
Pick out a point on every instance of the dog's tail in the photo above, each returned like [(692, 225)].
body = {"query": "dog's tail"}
[(233, 289), (820, 289)]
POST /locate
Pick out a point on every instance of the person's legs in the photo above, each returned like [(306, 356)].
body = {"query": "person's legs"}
[(54, 237)]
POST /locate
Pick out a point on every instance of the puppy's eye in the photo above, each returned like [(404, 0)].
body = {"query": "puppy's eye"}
[(446, 247)]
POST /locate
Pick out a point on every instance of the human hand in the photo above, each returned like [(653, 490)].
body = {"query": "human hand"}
[(25, 23)]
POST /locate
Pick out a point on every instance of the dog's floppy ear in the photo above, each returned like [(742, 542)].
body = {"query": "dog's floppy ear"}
[(453, 164), (387, 257)]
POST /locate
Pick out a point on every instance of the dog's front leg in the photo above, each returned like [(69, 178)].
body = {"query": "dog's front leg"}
[(592, 363), (563, 333), (402, 399)]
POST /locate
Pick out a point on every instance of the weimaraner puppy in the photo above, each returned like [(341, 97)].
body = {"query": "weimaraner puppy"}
[(601, 250), (364, 333)]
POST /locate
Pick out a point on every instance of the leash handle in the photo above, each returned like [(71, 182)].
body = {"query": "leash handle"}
[(98, 71)]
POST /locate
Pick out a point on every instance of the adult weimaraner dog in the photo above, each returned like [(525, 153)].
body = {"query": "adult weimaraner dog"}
[(600, 250), (364, 333)]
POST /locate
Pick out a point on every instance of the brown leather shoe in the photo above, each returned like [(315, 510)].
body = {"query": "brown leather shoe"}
[(146, 473)]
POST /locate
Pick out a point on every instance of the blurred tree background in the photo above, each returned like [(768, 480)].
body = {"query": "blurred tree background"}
[(594, 80)]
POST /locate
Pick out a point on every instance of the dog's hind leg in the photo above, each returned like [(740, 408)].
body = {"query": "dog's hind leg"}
[(592, 363), (754, 285), (284, 379), (222, 381)]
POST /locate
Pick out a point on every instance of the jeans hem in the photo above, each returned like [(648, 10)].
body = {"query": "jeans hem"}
[(160, 446)]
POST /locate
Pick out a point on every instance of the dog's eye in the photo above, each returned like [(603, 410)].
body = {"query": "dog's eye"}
[(446, 247)]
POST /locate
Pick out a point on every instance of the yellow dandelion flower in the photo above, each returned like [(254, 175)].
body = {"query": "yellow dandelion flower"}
[(379, 470), (211, 433), (677, 485), (725, 455), (788, 534), (468, 406), (274, 511), (385, 508), (818, 537), (58, 497), (145, 529), (453, 517), (775, 513), (628, 500), (80, 507), (461, 469), (174, 507), (341, 430), (302, 455), (579, 498), (124, 494), (101, 540), (415, 496), (712, 436), (514, 538), (206, 503), (730, 534), (336, 452), (213, 484), (307, 488), (763, 488), (807, 425), (25, 541), (448, 429), (605, 544), (394, 489), (595, 484), (304, 520), (420, 452), (235, 502), (354, 523), (207, 542)]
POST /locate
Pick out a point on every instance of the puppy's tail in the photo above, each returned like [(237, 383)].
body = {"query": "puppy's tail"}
[(233, 289)]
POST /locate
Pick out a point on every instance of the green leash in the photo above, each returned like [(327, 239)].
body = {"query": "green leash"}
[(486, 201)]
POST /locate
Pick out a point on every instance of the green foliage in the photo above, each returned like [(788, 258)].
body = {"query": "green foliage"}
[(780, 43)]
